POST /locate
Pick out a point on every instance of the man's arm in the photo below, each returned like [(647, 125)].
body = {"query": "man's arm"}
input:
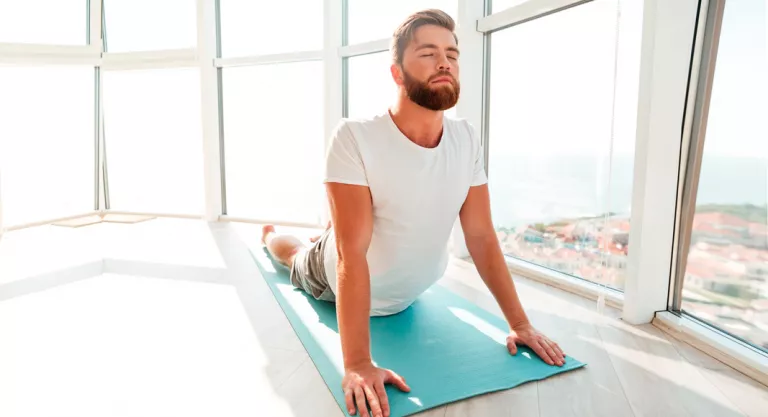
[(352, 218), (352, 214), (484, 248), (485, 251)]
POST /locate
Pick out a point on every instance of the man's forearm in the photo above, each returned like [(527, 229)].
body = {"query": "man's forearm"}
[(492, 267), (353, 304)]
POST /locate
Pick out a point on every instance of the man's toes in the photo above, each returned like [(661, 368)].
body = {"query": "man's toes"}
[(265, 231)]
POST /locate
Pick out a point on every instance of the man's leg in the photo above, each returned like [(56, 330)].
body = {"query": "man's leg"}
[(306, 263), (282, 247)]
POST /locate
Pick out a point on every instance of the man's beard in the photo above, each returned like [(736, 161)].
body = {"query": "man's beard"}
[(439, 97)]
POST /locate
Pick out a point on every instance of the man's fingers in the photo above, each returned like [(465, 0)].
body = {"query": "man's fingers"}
[(397, 381), (512, 346), (360, 399), (382, 393), (559, 356), (559, 351), (373, 400), (536, 346), (551, 352), (350, 401)]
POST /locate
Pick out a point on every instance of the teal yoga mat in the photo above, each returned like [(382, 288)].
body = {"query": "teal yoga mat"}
[(445, 347)]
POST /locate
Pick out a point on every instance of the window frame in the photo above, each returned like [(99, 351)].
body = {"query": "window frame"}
[(697, 111), (498, 22), (256, 61), (215, 155), (731, 349), (167, 63)]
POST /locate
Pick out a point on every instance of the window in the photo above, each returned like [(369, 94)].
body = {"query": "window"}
[(58, 22), (726, 276), (144, 25), (249, 27), (373, 20), (46, 142), (560, 186), (370, 87), (153, 140), (274, 144)]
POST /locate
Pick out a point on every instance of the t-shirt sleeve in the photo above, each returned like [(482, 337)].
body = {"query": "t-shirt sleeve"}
[(478, 174), (344, 162)]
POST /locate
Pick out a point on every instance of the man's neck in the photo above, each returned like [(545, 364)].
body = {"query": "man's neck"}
[(422, 126)]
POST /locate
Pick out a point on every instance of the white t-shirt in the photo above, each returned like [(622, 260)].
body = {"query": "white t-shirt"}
[(417, 195)]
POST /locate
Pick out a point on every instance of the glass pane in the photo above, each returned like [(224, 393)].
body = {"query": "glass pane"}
[(274, 143), (560, 192), (46, 142), (371, 89), (500, 5), (726, 277), (57, 22), (372, 20), (154, 140), (145, 25), (249, 27)]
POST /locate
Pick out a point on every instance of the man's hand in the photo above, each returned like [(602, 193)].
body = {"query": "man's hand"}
[(368, 381), (547, 350), (484, 248)]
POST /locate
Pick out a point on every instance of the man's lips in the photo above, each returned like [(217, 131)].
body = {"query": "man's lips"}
[(442, 80)]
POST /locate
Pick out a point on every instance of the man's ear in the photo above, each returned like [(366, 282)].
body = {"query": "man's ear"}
[(397, 74)]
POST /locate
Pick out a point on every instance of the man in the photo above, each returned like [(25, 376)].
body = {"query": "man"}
[(395, 185)]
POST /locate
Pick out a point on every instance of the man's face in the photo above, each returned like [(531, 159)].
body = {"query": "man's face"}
[(430, 69)]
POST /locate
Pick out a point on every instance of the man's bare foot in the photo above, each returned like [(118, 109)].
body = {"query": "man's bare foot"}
[(265, 232)]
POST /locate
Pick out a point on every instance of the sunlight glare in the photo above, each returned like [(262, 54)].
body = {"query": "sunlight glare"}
[(483, 326)]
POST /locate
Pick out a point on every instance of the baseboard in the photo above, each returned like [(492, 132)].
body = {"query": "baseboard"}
[(742, 358)]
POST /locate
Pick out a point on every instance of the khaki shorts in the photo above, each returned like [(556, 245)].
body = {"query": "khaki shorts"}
[(308, 271)]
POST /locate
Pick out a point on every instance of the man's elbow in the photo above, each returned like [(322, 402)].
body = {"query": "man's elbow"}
[(348, 256), (481, 241)]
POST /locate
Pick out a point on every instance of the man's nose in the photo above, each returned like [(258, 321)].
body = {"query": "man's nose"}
[(444, 64)]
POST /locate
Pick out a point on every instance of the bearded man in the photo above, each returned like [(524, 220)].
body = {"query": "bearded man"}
[(396, 184)]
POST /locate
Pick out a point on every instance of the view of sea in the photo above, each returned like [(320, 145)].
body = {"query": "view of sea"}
[(545, 189)]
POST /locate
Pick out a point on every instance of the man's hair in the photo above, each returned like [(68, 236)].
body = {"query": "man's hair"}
[(404, 33)]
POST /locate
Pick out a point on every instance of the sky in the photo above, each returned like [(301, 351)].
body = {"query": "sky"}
[(737, 120)]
